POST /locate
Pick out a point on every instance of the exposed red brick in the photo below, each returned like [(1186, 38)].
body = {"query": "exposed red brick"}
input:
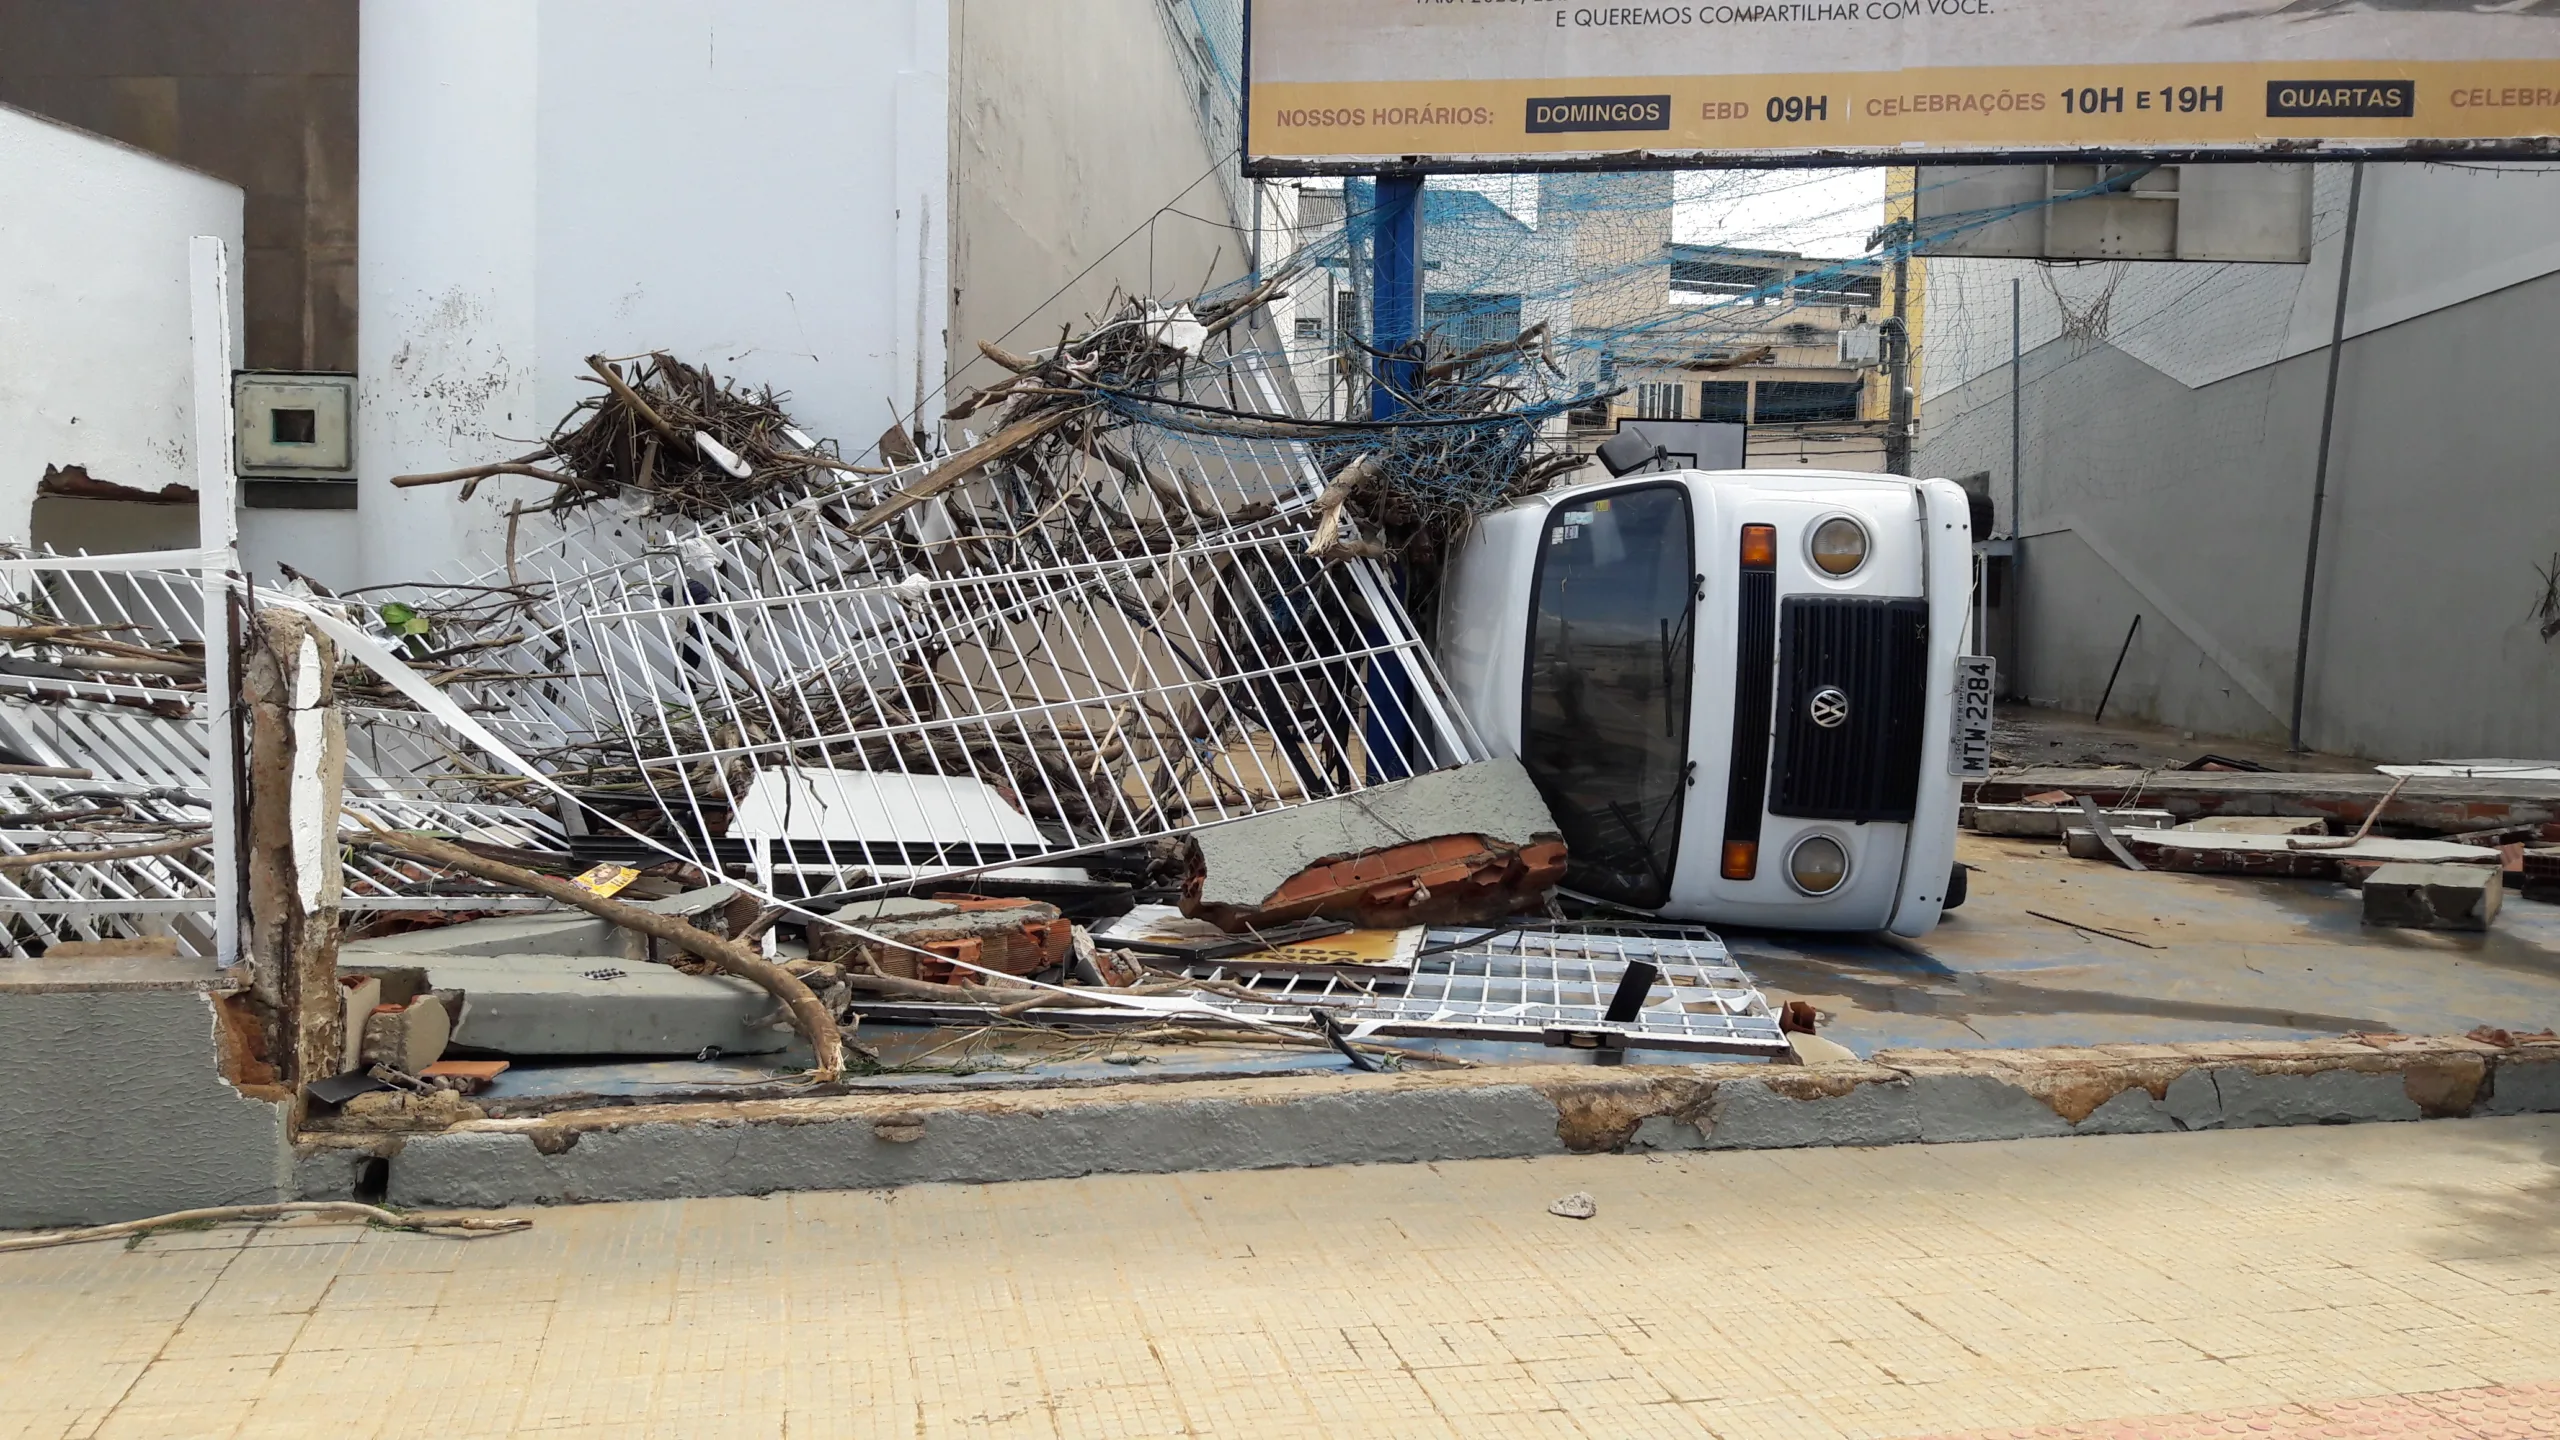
[(1017, 937), (1452, 879)]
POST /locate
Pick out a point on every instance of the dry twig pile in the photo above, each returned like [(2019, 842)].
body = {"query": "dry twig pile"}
[(698, 444)]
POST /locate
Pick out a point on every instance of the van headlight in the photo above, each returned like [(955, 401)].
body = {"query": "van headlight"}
[(1817, 865), (1839, 545)]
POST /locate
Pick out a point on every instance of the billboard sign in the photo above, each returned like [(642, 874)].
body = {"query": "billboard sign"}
[(1356, 85)]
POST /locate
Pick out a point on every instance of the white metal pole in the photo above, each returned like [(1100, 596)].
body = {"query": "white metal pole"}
[(218, 531)]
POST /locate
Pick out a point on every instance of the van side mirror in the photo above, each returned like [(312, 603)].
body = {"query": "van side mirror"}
[(1628, 452)]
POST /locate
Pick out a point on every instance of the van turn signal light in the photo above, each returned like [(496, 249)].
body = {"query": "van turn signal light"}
[(1759, 552), (1742, 857)]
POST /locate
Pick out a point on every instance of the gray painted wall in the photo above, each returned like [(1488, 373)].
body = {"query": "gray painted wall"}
[(113, 1107), (1072, 126), (2191, 506)]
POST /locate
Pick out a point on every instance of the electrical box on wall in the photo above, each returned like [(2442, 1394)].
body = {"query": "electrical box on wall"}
[(294, 425)]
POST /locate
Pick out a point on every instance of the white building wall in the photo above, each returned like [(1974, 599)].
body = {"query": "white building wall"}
[(757, 185), (93, 322), (448, 311)]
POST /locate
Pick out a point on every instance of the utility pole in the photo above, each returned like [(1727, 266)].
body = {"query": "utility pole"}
[(2320, 470), (1395, 294), (1896, 334), (1388, 733)]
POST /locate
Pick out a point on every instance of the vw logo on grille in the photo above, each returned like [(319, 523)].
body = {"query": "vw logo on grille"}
[(1829, 707)]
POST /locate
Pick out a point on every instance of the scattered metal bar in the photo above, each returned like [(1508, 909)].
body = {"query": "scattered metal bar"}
[(2107, 836)]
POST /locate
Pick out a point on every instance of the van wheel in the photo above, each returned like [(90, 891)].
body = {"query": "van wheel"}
[(1955, 891)]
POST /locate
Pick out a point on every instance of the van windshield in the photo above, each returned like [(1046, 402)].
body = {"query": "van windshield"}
[(1605, 733)]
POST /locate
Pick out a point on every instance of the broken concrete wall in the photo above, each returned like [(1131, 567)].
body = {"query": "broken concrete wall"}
[(296, 785), (1362, 858), (1018, 937), (865, 1140), (113, 1103)]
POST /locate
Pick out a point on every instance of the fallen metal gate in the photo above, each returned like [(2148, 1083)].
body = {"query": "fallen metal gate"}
[(1552, 986)]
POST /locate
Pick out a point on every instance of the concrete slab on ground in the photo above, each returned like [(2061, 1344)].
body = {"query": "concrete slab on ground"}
[(2219, 958), (2043, 735)]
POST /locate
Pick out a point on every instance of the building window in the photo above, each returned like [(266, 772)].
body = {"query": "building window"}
[(1661, 402), (1805, 401), (1801, 333), (1311, 327), (1838, 289), (1458, 323), (1723, 277), (1353, 373), (1726, 400)]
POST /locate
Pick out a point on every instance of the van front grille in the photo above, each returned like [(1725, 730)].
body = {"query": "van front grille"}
[(1863, 665), (1755, 654)]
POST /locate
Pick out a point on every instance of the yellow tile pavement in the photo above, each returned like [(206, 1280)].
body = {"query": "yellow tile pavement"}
[(1818, 1294)]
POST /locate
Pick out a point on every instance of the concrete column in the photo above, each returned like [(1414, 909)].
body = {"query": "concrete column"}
[(297, 769), (448, 355)]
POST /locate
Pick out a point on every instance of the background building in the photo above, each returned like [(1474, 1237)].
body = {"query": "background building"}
[(1786, 343)]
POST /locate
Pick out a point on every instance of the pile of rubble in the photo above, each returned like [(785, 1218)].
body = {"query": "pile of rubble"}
[(1103, 724), (2430, 846)]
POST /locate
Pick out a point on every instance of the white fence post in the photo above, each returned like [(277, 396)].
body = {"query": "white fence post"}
[(218, 522)]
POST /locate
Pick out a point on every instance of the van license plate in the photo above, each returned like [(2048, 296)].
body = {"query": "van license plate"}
[(1969, 737)]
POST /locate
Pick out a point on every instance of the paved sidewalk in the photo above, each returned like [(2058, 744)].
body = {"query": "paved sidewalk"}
[(2497, 1412), (1875, 1293)]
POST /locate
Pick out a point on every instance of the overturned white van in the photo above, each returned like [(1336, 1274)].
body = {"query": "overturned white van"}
[(1745, 694)]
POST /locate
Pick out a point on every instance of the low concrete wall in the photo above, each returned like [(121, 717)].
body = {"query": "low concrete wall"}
[(869, 1141), (112, 1102)]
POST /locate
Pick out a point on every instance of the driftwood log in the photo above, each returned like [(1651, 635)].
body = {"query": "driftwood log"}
[(961, 466), (461, 1227), (482, 472)]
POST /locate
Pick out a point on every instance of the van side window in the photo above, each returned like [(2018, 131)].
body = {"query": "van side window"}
[(1605, 731)]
